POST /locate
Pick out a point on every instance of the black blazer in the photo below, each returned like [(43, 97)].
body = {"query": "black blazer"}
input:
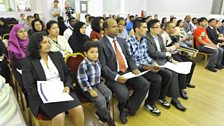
[(32, 71), (159, 56), (108, 58), (212, 34)]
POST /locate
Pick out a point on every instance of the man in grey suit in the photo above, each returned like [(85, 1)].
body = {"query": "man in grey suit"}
[(116, 61), (158, 52)]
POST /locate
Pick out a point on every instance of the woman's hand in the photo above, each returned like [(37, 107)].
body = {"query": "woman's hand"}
[(66, 90)]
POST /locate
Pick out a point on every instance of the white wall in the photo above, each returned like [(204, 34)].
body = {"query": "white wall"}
[(179, 8)]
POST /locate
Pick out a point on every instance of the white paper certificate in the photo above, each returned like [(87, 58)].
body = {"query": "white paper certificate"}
[(52, 91)]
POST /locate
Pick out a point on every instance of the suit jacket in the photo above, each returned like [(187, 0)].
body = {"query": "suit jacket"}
[(212, 34), (158, 56), (32, 71), (108, 59)]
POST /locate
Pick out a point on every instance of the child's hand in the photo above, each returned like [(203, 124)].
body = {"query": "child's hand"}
[(93, 93)]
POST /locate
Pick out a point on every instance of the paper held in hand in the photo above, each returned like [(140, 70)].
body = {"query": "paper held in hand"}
[(180, 67), (130, 75), (52, 91)]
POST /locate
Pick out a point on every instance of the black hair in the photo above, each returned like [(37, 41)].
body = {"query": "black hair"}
[(202, 19), (34, 44), (151, 23), (120, 19), (137, 24), (36, 20), (193, 18), (223, 21), (166, 25), (50, 23), (132, 16), (36, 16), (87, 15), (172, 18), (89, 44), (212, 19), (95, 24), (178, 23), (163, 19)]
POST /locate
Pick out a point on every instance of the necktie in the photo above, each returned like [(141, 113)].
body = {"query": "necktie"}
[(120, 59)]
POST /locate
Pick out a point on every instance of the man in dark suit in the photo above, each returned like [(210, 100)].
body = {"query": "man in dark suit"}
[(212, 31), (116, 61), (158, 52)]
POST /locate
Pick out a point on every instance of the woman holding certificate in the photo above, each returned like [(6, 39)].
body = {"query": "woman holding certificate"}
[(43, 65)]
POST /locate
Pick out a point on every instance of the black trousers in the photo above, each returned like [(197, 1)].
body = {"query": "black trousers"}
[(160, 82), (181, 58), (140, 86)]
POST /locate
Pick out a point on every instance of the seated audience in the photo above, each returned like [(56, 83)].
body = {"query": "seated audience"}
[(37, 26), (116, 61), (4, 28), (28, 23), (129, 24), (204, 44), (43, 65), (221, 28), (183, 37), (172, 44), (18, 40), (4, 69), (158, 52), (89, 78), (61, 24), (68, 32), (78, 37), (121, 28), (194, 22), (187, 25), (158, 77), (58, 42), (97, 26)]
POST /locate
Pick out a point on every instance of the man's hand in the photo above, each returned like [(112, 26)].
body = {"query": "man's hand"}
[(121, 79), (174, 61), (93, 93), (66, 89), (2, 57), (154, 69), (168, 54), (136, 72)]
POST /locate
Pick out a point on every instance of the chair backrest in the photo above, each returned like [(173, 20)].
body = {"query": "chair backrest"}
[(73, 61), (5, 36)]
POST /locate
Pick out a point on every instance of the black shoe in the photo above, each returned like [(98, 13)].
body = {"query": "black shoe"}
[(190, 85), (152, 108), (178, 105), (211, 69), (123, 117), (111, 122), (219, 67), (183, 94), (164, 103), (101, 119), (131, 113)]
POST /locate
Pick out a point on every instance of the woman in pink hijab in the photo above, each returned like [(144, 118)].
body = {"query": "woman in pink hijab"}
[(18, 40)]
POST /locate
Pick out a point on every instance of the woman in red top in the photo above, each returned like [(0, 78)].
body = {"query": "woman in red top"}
[(97, 26)]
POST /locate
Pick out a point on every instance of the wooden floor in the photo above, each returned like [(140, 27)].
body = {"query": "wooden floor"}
[(205, 106)]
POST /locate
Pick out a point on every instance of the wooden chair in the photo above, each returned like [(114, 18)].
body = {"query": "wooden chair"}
[(206, 55), (73, 61), (5, 36)]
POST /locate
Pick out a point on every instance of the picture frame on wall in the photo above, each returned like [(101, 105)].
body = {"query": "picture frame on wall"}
[(83, 6)]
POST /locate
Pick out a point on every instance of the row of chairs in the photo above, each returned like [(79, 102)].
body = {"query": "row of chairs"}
[(73, 61)]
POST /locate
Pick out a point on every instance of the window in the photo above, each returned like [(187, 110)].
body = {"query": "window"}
[(14, 5)]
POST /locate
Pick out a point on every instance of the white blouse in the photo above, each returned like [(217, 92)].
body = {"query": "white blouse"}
[(61, 45), (51, 72)]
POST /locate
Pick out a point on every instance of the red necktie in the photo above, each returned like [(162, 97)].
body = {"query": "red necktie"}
[(120, 59)]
